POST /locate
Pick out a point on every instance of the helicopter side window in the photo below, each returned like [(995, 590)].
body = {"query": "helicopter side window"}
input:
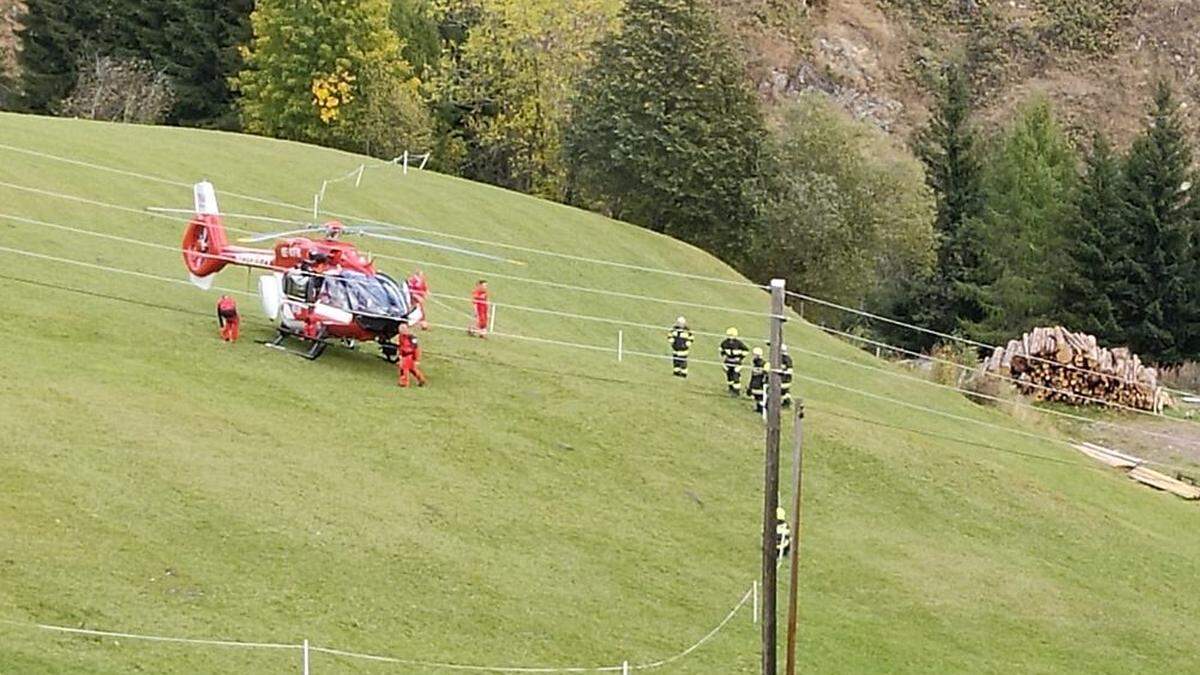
[(296, 286), (371, 294), (397, 294), (333, 292)]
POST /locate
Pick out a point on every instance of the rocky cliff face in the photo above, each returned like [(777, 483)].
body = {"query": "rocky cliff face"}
[(10, 11), (1095, 59)]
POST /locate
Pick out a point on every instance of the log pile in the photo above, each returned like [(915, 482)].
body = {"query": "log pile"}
[(1054, 364)]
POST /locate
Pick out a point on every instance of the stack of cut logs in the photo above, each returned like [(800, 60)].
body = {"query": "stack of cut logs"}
[(1054, 364)]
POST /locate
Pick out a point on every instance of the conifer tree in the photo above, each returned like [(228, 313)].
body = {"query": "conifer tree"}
[(954, 296), (1161, 313), (666, 132), (194, 42), (1029, 188), (1097, 271), (53, 35)]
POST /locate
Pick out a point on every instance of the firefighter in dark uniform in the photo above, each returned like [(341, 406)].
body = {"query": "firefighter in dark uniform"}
[(785, 377), (733, 353), (783, 534), (758, 380), (681, 339)]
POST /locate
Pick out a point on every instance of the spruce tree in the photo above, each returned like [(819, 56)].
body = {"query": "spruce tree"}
[(195, 42), (666, 132), (1097, 272), (954, 296), (53, 35), (1161, 313), (1029, 186)]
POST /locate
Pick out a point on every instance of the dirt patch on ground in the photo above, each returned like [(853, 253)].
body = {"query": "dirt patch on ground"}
[(1171, 441)]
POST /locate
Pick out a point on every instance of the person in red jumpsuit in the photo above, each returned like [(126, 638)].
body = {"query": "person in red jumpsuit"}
[(409, 351), (480, 297), (418, 286), (227, 318)]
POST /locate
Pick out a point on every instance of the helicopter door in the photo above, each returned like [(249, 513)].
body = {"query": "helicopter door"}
[(296, 286)]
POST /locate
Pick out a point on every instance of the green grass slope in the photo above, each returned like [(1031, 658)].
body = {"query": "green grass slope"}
[(537, 505)]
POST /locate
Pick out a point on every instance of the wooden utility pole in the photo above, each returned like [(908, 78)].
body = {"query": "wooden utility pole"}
[(794, 581), (771, 478)]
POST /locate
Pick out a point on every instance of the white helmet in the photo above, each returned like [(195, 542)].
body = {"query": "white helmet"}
[(681, 321)]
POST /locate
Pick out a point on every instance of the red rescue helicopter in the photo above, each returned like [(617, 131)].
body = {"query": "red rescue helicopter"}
[(319, 290)]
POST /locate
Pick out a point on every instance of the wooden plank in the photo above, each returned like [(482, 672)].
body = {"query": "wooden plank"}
[(1162, 481), (1137, 461), (1114, 462)]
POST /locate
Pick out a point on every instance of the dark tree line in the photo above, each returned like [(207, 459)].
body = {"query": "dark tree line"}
[(1025, 237), (194, 42)]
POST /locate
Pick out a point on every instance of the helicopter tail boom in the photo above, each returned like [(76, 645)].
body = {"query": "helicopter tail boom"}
[(206, 248)]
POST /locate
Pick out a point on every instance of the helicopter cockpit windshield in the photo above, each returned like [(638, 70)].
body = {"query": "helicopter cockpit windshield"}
[(357, 292)]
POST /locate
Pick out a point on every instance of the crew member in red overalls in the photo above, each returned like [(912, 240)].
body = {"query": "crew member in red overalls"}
[(480, 297), (410, 357), (227, 318), (418, 286)]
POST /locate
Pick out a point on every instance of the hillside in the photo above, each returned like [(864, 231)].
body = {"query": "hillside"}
[(1095, 59), (538, 504)]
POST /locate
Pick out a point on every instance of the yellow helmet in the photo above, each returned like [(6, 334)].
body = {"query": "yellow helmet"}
[(780, 514), (732, 332), (757, 351)]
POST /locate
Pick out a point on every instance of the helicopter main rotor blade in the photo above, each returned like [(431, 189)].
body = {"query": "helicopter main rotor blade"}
[(441, 247), (235, 216), (275, 235)]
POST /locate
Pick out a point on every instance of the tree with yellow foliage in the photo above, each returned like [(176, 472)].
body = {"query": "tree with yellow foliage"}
[(331, 72), (510, 82)]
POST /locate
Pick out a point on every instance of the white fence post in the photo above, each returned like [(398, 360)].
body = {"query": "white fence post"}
[(620, 346), (405, 162), (424, 160), (754, 589), (305, 657), (491, 327), (316, 206), (625, 668)]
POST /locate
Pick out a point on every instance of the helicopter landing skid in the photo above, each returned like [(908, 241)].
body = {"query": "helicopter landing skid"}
[(313, 352)]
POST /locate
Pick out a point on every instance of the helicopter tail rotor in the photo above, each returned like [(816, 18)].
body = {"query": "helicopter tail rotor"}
[(204, 244)]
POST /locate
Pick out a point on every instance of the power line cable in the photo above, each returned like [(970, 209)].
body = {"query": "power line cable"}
[(281, 204), (432, 265), (605, 349), (958, 338), (795, 294), (585, 317)]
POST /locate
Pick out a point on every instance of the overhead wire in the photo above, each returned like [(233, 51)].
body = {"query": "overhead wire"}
[(801, 296), (795, 294), (584, 317), (984, 372), (957, 338), (376, 221), (159, 213), (605, 349)]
